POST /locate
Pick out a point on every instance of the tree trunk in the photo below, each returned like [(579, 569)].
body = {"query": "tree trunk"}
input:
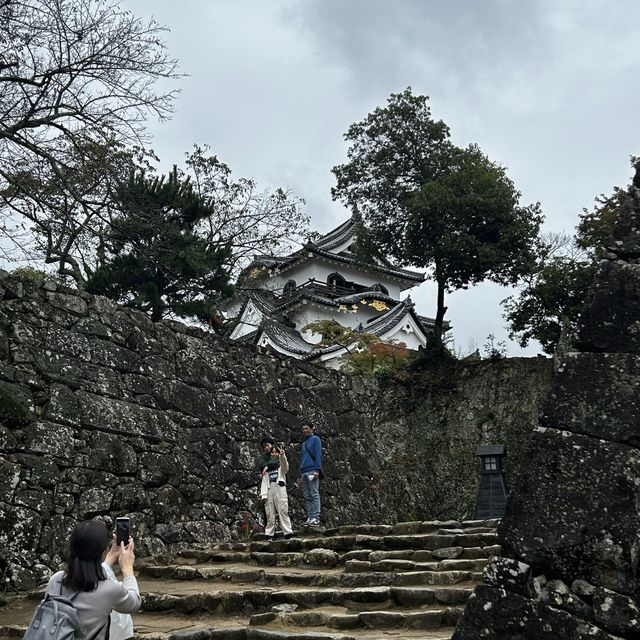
[(440, 312)]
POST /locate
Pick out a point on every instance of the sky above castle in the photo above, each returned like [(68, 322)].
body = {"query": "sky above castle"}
[(548, 89)]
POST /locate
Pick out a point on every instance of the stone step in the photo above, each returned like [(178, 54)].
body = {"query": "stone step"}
[(444, 575), (248, 601), (16, 614), (359, 566), (153, 627), (423, 541), (202, 557), (419, 526), (429, 618)]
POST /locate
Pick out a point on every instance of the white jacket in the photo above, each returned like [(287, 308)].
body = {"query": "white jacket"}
[(282, 476)]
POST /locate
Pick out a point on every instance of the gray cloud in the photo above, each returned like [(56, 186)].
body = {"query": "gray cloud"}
[(547, 88)]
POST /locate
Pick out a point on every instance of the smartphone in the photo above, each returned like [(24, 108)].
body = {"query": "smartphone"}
[(122, 531)]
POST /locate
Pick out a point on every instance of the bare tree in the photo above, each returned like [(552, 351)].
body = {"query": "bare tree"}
[(253, 221), (78, 78)]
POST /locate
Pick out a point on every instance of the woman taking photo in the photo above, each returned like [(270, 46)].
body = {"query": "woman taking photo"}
[(85, 582)]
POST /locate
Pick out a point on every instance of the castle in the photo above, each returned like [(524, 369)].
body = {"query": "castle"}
[(279, 296)]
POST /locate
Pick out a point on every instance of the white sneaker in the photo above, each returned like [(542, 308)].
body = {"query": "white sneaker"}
[(306, 522), (314, 522)]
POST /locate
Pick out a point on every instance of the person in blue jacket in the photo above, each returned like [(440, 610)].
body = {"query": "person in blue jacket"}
[(311, 473)]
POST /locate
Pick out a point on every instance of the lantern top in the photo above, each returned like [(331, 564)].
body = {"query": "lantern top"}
[(491, 450)]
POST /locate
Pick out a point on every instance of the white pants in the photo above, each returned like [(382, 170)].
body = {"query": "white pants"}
[(277, 503)]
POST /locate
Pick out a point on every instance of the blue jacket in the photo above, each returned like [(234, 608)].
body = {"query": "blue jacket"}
[(311, 454)]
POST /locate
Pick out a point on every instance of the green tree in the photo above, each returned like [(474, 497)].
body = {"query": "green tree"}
[(557, 290), (366, 354), (430, 204), (550, 300), (153, 258)]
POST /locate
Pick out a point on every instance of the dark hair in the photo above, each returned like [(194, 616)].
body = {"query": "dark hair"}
[(266, 439), (87, 544), (307, 424)]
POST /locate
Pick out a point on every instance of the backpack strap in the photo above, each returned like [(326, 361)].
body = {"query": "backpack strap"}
[(71, 597), (99, 631)]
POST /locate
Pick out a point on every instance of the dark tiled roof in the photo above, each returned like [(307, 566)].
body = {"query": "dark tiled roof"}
[(284, 337), (396, 272), (323, 248), (338, 236), (291, 341), (302, 294), (265, 300), (249, 338), (308, 294)]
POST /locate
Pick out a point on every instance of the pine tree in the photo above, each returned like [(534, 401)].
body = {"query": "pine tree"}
[(154, 258)]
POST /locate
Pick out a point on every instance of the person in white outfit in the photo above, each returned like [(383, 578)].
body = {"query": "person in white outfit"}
[(273, 466)]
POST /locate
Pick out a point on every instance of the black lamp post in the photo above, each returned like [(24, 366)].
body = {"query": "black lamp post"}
[(492, 492)]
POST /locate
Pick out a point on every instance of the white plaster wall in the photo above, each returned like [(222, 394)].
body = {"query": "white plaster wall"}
[(250, 320), (321, 269), (307, 313)]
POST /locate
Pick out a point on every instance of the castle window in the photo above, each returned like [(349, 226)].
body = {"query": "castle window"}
[(335, 280), (380, 287)]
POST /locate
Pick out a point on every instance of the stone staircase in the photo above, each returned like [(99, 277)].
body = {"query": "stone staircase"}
[(367, 582)]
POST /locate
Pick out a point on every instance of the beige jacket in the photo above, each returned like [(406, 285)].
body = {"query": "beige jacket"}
[(282, 476)]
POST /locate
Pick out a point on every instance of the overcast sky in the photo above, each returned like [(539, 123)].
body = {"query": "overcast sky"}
[(548, 88)]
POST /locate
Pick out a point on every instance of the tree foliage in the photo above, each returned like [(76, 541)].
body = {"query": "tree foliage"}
[(58, 228), (154, 259), (556, 292), (430, 204), (76, 78), (367, 354), (551, 299)]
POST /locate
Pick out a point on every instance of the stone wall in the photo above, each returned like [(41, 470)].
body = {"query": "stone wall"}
[(570, 531), (104, 413), (429, 432)]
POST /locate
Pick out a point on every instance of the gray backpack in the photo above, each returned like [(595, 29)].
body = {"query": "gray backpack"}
[(56, 618)]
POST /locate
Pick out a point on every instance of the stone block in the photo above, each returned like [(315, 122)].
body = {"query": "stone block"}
[(616, 613), (501, 615), (66, 302), (412, 596), (50, 439), (322, 558), (63, 406), (9, 479), (130, 496), (107, 354), (557, 594), (611, 320), (613, 413), (64, 341), (126, 418), (192, 634), (568, 518), (506, 573), (626, 233), (95, 500), (446, 553), (159, 602), (382, 619), (110, 452)]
